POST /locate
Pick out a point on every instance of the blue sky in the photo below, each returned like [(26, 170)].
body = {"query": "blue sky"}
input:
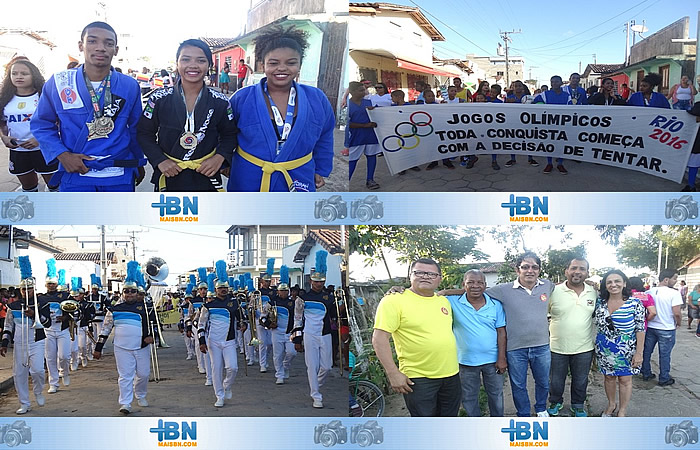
[(555, 35)]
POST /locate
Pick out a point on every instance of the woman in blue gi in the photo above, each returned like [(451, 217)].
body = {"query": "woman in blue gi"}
[(646, 95), (285, 140)]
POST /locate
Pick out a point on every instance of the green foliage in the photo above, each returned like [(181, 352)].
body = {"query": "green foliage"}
[(611, 233), (681, 241), (556, 261), (371, 368)]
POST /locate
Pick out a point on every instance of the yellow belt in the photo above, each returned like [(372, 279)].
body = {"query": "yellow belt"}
[(268, 168), (193, 164)]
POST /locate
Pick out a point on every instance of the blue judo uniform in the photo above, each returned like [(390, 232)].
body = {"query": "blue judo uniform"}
[(59, 124), (311, 134)]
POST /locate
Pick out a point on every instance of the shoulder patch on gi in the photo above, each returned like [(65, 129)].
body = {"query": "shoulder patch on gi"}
[(217, 94), (67, 89)]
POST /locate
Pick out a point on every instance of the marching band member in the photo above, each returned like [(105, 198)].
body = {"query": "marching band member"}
[(132, 336), (217, 335), (87, 314), (191, 324), (239, 294), (251, 351), (77, 293), (264, 334), (19, 325), (58, 343), (101, 303), (312, 324), (186, 305), (282, 346), (189, 159)]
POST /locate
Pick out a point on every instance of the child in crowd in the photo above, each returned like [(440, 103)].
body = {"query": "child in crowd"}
[(363, 140)]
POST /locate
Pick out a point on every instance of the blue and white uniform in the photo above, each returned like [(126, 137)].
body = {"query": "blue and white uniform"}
[(58, 343), (203, 363), (264, 334), (132, 354), (60, 125), (189, 340), (282, 347)]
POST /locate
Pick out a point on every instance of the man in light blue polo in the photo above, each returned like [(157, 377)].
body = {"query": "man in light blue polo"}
[(479, 325)]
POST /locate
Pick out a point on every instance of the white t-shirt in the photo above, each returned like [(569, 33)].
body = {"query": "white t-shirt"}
[(665, 299), (17, 114), (380, 100)]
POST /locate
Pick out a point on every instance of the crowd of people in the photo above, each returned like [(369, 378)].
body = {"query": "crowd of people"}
[(448, 342), (87, 129), (361, 140), (220, 317)]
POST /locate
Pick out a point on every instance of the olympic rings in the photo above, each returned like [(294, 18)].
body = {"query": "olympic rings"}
[(401, 137)]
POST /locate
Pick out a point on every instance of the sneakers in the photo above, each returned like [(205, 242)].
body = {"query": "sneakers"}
[(202, 371), (318, 404), (40, 400), (548, 168), (143, 402), (219, 402), (647, 378), (66, 379), (543, 414), (415, 168), (74, 366), (125, 409), (228, 395), (697, 335), (562, 169), (250, 363), (554, 409), (53, 389), (281, 380), (208, 383), (433, 165), (23, 409), (448, 164), (463, 161), (495, 166), (471, 162), (83, 361), (372, 185), (668, 382), (510, 163), (689, 188), (533, 162), (578, 412), (263, 370), (403, 172), (189, 357)]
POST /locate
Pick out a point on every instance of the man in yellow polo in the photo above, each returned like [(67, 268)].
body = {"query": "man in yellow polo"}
[(420, 323)]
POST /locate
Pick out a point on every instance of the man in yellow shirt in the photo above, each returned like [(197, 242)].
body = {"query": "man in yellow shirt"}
[(571, 334), (420, 323)]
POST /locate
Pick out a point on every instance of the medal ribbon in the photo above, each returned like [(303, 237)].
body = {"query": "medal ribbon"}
[(94, 96), (283, 127), (189, 124)]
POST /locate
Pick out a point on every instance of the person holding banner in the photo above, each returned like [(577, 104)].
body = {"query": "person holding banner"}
[(694, 161), (646, 95), (363, 140), (607, 95), (462, 92), (86, 120), (619, 343), (285, 140), (555, 96)]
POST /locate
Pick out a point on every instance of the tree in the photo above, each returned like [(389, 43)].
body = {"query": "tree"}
[(446, 245), (681, 241), (556, 261)]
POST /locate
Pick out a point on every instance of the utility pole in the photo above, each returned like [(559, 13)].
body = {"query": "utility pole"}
[(133, 243), (103, 256), (505, 35), (627, 44), (595, 59)]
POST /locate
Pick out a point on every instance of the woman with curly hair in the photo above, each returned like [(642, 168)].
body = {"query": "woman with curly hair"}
[(619, 344), (285, 140), (646, 95), (19, 96)]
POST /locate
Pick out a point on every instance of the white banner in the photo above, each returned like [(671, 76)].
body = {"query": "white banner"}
[(650, 140)]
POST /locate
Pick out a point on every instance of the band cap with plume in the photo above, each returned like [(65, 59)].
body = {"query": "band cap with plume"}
[(221, 275), (270, 269), (211, 288), (188, 290), (132, 275), (95, 281), (25, 271), (193, 280), (202, 273), (62, 280), (51, 275), (284, 279), (76, 285), (249, 285), (321, 267)]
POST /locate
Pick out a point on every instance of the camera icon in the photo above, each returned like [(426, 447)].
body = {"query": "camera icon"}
[(681, 209), (367, 434), (330, 434), (334, 207), (17, 209), (16, 433), (682, 434), (367, 209)]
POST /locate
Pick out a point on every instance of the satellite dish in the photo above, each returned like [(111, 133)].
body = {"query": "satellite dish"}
[(639, 28)]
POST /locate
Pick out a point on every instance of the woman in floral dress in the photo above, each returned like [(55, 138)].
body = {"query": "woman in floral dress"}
[(619, 345)]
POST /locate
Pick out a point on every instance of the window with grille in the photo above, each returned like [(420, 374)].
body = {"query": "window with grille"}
[(277, 241)]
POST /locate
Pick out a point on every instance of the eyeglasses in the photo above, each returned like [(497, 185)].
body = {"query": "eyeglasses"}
[(528, 267), (130, 291), (611, 325), (428, 275)]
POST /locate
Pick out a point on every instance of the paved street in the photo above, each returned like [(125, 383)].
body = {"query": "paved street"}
[(522, 177), (648, 400), (181, 392)]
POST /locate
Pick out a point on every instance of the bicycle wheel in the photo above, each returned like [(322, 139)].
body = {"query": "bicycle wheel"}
[(370, 398)]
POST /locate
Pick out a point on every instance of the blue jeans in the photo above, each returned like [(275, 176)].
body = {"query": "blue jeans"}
[(579, 365), (540, 360), (666, 340), (470, 376), (683, 104)]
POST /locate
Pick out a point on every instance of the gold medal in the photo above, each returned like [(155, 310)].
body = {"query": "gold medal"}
[(188, 141), (104, 125), (574, 101)]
